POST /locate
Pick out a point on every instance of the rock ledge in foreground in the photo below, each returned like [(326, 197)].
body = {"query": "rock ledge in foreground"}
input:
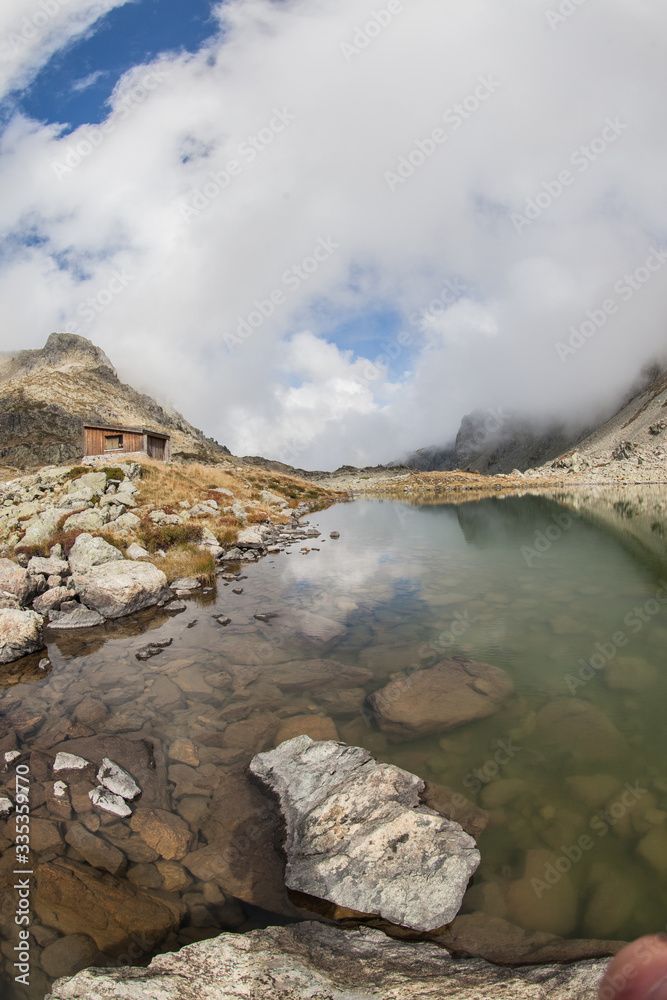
[(312, 961), (356, 834)]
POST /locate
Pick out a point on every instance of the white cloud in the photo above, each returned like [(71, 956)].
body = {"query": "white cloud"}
[(217, 176)]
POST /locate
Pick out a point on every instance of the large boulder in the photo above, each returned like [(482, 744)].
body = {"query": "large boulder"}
[(453, 692), (20, 633), (314, 961), (48, 567), (88, 552), (17, 581), (40, 531), (87, 520), (254, 537), (357, 836), (116, 589), (96, 482)]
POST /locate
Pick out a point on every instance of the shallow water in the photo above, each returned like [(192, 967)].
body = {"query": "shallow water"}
[(517, 582)]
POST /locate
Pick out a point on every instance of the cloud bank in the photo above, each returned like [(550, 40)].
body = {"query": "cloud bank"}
[(491, 173)]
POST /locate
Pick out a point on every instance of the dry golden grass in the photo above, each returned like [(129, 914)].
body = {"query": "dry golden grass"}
[(186, 560), (167, 485)]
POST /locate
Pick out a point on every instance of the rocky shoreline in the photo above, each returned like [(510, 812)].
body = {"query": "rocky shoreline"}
[(182, 875)]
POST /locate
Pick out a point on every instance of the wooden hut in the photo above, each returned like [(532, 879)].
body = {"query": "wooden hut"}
[(106, 440)]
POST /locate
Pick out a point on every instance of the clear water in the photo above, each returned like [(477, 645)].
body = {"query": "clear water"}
[(412, 585)]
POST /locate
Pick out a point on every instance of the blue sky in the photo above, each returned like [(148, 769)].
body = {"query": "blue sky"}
[(75, 85), (74, 88)]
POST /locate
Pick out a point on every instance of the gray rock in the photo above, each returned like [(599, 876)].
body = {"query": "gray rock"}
[(117, 780), (21, 633), (77, 500), (49, 567), (41, 530), (126, 522), (78, 617), (51, 600), (94, 481), (314, 961), (135, 551), (203, 510), (254, 537), (88, 552), (9, 601), (233, 555), (160, 517), (128, 487), (121, 588), (356, 834), (272, 498), (87, 520), (17, 581), (186, 583)]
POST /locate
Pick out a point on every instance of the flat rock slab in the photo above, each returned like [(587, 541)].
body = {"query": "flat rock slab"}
[(451, 693), (77, 618), (313, 961), (356, 834)]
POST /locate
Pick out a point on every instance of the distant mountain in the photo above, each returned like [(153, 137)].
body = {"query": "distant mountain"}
[(636, 435), (496, 442), (47, 395), (492, 442)]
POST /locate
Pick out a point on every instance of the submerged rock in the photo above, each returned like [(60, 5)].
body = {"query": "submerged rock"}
[(450, 694), (578, 727), (314, 961), (20, 633), (356, 834), (77, 899)]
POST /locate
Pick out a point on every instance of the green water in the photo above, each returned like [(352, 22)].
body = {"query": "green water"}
[(518, 583)]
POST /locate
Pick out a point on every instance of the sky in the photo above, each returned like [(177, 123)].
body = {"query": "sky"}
[(325, 230)]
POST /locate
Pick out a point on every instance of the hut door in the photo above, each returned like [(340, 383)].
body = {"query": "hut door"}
[(155, 448)]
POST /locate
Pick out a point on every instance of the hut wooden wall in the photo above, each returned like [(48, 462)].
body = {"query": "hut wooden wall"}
[(95, 441)]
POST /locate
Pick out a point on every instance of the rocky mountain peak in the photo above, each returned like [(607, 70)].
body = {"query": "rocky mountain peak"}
[(63, 349)]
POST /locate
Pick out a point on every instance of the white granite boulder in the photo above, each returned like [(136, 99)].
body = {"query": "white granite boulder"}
[(88, 552), (315, 961), (357, 835), (21, 633), (122, 587)]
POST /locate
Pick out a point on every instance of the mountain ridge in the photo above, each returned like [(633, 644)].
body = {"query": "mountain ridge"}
[(48, 393)]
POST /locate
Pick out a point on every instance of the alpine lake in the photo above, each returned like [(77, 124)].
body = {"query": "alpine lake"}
[(564, 591)]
